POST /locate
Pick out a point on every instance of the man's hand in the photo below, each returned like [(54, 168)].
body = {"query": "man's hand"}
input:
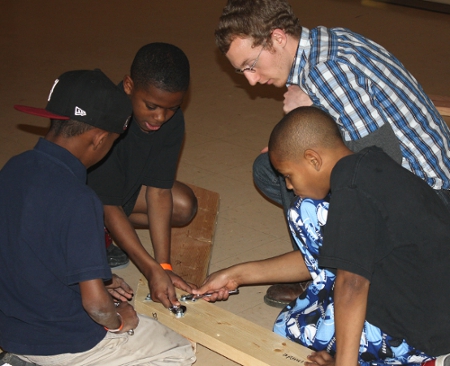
[(321, 358), (119, 289), (295, 97)]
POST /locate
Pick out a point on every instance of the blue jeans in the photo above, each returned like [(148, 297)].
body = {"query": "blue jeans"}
[(270, 183)]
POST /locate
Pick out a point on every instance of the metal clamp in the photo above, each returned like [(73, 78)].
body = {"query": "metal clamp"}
[(179, 311)]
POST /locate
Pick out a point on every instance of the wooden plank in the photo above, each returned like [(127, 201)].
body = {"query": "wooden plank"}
[(441, 103), (192, 245), (225, 333)]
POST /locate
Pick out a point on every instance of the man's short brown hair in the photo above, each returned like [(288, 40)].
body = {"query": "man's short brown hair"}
[(256, 19)]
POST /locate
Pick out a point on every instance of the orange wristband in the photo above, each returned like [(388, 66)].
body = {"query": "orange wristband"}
[(166, 266), (118, 329)]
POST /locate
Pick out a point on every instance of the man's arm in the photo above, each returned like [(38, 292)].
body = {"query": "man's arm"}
[(126, 237), (288, 267), (100, 306)]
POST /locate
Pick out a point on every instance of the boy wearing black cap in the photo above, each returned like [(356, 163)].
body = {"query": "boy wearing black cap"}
[(56, 307)]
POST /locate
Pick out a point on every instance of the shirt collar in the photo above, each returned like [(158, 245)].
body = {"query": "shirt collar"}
[(63, 157), (303, 50)]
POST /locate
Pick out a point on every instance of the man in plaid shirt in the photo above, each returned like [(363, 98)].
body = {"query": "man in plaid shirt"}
[(369, 93)]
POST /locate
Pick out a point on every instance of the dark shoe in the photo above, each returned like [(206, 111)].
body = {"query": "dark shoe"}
[(117, 258), (12, 360), (282, 294)]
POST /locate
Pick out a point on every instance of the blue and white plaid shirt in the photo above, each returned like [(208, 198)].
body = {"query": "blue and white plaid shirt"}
[(363, 87)]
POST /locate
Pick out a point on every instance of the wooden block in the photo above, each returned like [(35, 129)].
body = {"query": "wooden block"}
[(192, 245), (441, 103), (225, 333)]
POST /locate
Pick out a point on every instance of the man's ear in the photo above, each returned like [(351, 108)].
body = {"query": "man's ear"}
[(128, 84), (279, 37), (313, 158), (98, 138)]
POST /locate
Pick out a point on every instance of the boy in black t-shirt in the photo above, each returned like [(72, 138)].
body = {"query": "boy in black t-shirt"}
[(379, 292), (136, 182)]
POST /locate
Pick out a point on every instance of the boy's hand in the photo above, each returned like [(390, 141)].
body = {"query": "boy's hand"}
[(119, 289), (161, 288), (321, 358), (295, 97), (129, 316), (218, 285), (178, 282)]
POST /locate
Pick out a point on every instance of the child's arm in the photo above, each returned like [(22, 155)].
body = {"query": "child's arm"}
[(350, 304), (100, 307), (159, 211), (289, 267), (126, 237)]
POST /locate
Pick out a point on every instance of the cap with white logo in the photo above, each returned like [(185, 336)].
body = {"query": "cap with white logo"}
[(87, 96)]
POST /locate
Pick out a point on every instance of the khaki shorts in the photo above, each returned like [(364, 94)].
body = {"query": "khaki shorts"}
[(151, 344)]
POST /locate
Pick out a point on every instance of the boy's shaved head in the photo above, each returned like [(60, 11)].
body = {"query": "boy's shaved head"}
[(302, 129)]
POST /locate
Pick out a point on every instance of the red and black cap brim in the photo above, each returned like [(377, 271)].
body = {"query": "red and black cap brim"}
[(41, 112)]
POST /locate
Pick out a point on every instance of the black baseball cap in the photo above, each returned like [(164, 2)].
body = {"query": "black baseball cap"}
[(87, 96)]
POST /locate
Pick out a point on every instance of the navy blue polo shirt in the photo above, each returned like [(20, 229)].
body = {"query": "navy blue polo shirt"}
[(52, 238)]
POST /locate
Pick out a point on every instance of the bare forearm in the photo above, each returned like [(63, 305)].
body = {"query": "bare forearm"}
[(160, 207), (350, 300), (99, 304), (288, 267), (125, 236)]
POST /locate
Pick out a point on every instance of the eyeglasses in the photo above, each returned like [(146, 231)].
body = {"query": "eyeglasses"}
[(251, 68)]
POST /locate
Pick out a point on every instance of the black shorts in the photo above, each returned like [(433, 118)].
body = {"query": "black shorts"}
[(129, 205)]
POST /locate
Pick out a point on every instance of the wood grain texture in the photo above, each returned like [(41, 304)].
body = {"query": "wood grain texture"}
[(225, 333), (191, 245)]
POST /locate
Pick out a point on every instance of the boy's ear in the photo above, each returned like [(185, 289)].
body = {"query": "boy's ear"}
[(313, 158), (128, 84), (98, 138)]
